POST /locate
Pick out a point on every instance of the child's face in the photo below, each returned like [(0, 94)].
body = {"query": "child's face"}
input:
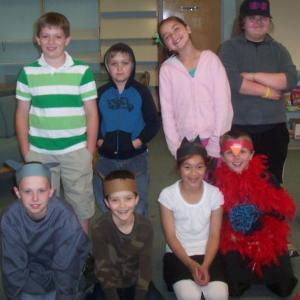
[(175, 35), (120, 67), (192, 171), (53, 42), (256, 27), (239, 160), (122, 204), (34, 192)]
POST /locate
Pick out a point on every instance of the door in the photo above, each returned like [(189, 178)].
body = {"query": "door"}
[(203, 16)]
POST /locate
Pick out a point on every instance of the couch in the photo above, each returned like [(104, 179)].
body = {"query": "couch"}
[(8, 141)]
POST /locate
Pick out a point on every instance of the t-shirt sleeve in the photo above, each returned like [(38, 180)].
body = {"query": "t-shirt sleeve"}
[(166, 198), (217, 199), (88, 88), (22, 90)]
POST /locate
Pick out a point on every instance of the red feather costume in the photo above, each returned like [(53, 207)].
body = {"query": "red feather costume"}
[(261, 246)]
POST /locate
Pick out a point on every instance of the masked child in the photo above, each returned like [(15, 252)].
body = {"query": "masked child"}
[(255, 224)]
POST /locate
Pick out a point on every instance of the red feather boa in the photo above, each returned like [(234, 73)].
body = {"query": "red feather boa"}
[(262, 246)]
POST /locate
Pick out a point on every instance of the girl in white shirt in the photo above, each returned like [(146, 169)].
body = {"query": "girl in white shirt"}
[(191, 216)]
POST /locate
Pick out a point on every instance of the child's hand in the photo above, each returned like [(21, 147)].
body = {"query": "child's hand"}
[(204, 276), (99, 143), (137, 143), (199, 272)]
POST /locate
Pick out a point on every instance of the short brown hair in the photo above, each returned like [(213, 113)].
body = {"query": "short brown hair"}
[(53, 19), (118, 48)]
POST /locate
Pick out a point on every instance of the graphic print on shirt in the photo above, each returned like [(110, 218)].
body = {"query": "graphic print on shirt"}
[(120, 103)]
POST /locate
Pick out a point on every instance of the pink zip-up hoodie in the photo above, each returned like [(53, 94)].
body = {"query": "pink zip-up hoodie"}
[(192, 106)]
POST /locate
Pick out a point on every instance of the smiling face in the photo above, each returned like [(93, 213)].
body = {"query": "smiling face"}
[(122, 205), (238, 156), (256, 27), (53, 42), (192, 171), (175, 35), (34, 192)]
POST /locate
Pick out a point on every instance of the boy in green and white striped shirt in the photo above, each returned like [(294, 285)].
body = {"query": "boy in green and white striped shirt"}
[(56, 117)]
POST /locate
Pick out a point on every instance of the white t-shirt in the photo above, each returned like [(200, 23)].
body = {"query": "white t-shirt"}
[(191, 220)]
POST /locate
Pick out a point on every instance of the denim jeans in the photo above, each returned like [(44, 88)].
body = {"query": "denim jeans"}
[(49, 296), (138, 165)]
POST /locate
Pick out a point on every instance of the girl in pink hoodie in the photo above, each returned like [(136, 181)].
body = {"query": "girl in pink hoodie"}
[(194, 90)]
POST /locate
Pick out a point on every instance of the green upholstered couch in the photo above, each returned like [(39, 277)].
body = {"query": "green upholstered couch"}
[(8, 142)]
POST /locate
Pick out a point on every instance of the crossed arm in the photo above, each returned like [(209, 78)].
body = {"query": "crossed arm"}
[(267, 85)]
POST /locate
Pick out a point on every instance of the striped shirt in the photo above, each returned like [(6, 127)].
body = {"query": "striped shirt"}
[(57, 120)]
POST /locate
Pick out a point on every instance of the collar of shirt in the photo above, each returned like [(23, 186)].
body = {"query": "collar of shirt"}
[(68, 62)]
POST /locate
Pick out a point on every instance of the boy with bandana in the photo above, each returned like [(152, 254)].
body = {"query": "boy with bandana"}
[(43, 246), (122, 244)]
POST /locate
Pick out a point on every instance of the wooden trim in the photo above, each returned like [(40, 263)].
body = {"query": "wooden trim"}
[(4, 170)]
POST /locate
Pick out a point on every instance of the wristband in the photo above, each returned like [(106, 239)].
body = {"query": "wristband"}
[(267, 93)]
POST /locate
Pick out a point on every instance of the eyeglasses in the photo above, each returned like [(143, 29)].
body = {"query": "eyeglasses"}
[(257, 19)]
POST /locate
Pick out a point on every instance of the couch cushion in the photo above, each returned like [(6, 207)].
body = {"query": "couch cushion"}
[(8, 109)]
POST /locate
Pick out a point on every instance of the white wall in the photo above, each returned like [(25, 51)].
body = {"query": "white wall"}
[(286, 19)]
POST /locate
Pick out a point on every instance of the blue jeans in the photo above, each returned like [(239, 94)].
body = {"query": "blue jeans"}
[(138, 165), (49, 296)]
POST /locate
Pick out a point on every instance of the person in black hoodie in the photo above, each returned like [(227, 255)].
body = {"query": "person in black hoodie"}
[(128, 121)]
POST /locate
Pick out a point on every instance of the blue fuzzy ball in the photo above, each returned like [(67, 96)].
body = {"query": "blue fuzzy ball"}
[(244, 218)]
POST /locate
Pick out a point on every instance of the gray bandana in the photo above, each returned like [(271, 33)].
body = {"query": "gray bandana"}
[(31, 169)]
